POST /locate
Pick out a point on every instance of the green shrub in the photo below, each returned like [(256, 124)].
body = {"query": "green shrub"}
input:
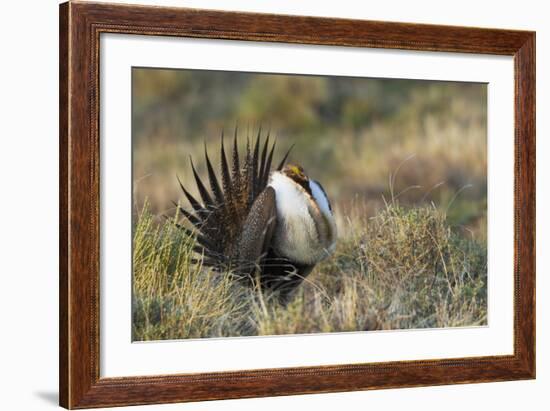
[(403, 269)]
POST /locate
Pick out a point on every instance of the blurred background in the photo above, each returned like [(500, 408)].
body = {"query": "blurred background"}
[(366, 140)]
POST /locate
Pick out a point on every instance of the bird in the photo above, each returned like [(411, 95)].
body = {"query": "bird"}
[(268, 227)]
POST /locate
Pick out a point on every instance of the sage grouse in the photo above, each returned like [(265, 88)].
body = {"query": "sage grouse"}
[(268, 227)]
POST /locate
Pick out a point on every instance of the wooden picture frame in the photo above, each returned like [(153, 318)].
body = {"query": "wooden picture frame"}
[(80, 27)]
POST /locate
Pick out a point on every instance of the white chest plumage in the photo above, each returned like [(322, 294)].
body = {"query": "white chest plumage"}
[(306, 230)]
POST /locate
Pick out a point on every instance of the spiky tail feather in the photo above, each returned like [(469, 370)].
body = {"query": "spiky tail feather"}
[(218, 218)]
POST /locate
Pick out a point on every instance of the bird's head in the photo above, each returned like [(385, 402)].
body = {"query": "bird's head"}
[(297, 174)]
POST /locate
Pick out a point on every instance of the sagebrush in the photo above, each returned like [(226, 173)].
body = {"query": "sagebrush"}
[(402, 269)]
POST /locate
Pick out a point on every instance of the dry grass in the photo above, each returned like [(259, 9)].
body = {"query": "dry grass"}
[(403, 269), (348, 134)]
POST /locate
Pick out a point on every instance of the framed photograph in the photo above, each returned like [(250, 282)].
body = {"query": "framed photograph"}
[(258, 205)]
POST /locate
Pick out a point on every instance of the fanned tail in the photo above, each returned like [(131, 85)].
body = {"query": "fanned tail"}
[(217, 219)]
